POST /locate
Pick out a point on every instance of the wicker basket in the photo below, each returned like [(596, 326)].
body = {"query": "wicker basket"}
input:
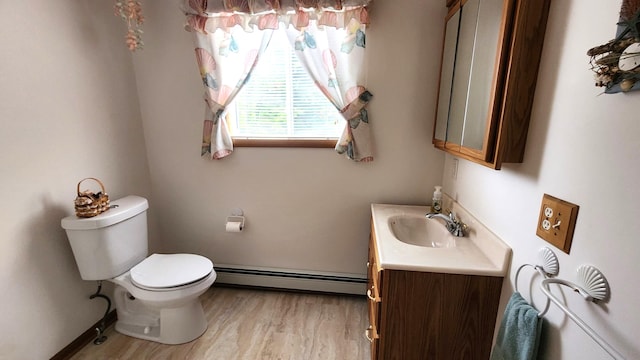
[(89, 204)]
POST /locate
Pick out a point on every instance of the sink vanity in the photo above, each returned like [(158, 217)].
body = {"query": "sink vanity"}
[(432, 295)]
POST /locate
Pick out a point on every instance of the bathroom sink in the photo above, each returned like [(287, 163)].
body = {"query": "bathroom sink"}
[(406, 240), (420, 231)]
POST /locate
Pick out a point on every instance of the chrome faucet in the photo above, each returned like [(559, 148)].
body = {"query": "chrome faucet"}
[(455, 226)]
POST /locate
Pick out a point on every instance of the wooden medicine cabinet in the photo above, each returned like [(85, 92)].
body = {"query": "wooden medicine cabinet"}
[(489, 69)]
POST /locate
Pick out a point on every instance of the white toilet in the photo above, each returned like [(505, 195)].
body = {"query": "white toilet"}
[(156, 297)]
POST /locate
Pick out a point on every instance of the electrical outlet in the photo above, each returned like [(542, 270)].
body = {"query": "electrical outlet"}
[(557, 221)]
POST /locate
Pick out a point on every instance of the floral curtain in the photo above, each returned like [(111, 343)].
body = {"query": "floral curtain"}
[(334, 58), (329, 36), (225, 58)]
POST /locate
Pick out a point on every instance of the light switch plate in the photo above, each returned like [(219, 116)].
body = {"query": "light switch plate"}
[(557, 221)]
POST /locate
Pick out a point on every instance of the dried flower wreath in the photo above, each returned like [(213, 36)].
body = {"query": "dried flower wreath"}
[(131, 12), (616, 64)]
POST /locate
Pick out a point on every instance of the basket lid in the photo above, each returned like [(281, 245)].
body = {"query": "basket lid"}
[(162, 271), (121, 209)]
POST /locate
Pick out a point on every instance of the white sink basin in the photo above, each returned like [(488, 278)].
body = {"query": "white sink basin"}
[(420, 231), (406, 240)]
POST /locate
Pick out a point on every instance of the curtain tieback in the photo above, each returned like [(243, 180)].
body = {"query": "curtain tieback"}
[(217, 109), (354, 112)]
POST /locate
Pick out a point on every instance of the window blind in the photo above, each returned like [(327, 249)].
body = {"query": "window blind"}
[(281, 100)]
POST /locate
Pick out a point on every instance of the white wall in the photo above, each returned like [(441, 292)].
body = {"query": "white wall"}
[(305, 208), (582, 147), (69, 110)]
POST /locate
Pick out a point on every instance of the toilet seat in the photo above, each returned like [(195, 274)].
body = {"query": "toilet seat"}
[(170, 271)]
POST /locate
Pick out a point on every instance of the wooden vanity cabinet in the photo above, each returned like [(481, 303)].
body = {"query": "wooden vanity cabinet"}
[(489, 69), (435, 316)]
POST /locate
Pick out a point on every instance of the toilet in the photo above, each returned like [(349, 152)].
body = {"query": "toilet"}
[(156, 296)]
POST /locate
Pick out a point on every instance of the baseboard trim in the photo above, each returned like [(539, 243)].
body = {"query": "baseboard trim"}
[(305, 280), (85, 338), (285, 290)]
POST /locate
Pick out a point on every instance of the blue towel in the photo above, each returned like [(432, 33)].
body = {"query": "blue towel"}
[(519, 331)]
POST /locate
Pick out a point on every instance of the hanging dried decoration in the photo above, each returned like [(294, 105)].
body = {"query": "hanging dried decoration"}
[(131, 12), (616, 64)]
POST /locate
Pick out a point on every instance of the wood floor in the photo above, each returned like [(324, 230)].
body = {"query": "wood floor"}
[(248, 324)]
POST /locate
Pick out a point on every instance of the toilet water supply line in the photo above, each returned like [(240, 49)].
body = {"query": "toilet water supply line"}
[(100, 329)]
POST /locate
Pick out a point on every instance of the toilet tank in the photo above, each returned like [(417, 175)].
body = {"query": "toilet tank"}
[(111, 243)]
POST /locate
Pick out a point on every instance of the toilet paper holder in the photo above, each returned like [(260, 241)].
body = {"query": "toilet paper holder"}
[(237, 217)]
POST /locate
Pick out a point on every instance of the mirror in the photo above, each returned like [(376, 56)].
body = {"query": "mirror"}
[(468, 71), (482, 77), (446, 75), (462, 71)]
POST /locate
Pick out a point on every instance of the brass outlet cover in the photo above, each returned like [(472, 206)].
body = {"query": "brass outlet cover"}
[(557, 221)]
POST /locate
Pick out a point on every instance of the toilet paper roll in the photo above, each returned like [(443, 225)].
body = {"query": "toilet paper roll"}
[(234, 226)]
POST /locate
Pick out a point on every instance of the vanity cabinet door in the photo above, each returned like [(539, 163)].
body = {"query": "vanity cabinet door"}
[(488, 74)]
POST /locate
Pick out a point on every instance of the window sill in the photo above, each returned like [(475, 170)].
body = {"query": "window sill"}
[(294, 143)]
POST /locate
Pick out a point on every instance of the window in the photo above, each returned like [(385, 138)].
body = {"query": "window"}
[(281, 102)]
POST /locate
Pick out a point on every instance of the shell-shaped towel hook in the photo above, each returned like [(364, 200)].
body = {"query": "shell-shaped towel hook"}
[(593, 282), (549, 261)]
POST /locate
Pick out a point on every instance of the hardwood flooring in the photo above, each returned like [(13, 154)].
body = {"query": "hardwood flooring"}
[(248, 324)]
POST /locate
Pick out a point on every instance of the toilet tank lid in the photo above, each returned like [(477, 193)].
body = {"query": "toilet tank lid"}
[(121, 209)]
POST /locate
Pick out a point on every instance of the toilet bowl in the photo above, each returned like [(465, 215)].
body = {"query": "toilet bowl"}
[(156, 296), (158, 299)]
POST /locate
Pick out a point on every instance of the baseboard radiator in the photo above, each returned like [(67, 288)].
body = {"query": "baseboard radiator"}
[(291, 279)]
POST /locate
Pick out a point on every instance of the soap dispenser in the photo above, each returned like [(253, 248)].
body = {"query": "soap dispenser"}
[(436, 202)]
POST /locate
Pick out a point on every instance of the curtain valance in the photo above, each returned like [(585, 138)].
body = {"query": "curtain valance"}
[(206, 16), (207, 7)]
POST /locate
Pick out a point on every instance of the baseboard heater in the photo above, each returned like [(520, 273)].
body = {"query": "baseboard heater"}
[(292, 279)]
